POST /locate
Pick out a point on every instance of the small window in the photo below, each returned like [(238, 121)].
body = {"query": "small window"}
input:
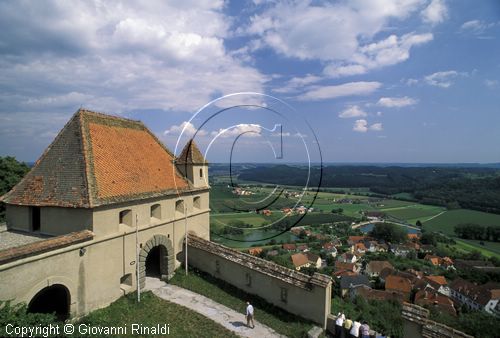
[(197, 202), (217, 266), (126, 280), (156, 211), (248, 279), (126, 217), (284, 295), (201, 172), (179, 207)]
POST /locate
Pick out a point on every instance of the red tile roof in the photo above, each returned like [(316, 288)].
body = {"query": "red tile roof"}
[(299, 260), (254, 251), (289, 247), (96, 160), (441, 280), (397, 283)]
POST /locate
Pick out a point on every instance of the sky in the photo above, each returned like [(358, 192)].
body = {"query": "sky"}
[(414, 81)]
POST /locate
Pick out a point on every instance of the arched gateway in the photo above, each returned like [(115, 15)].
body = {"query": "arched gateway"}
[(52, 299), (156, 259)]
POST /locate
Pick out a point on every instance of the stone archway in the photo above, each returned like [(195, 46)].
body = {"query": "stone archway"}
[(52, 299), (158, 245)]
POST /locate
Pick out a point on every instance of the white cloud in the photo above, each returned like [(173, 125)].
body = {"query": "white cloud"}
[(297, 83), (339, 33), (491, 83), (376, 127), (477, 26), (387, 52), (360, 126), (396, 102), (118, 56), (347, 89), (411, 82), (443, 79), (243, 129), (435, 13), (188, 127), (353, 111)]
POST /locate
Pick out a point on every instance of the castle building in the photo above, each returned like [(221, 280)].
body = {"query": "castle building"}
[(103, 185)]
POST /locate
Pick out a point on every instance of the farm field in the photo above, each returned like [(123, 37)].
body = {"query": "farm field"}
[(489, 249), (447, 221), (413, 211)]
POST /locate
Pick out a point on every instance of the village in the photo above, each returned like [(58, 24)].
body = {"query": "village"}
[(412, 271)]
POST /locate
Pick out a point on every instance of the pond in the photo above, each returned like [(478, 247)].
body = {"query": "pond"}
[(252, 238)]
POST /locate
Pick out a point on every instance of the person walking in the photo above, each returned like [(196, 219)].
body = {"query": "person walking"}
[(250, 315), (354, 333), (339, 323), (347, 327), (365, 330)]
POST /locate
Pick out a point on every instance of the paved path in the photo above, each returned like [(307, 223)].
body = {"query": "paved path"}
[(219, 313)]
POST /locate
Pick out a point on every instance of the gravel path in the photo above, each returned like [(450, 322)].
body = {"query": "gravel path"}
[(219, 313)]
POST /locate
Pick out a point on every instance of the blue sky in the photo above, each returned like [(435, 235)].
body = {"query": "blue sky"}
[(377, 81)]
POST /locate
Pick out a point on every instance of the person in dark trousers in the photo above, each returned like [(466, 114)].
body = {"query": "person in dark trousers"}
[(339, 325), (249, 315)]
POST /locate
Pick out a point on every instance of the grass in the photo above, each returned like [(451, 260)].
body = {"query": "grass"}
[(226, 294), (489, 249), (152, 311), (447, 221), (252, 219), (414, 211)]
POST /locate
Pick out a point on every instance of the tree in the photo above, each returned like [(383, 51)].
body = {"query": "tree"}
[(389, 232), (429, 238), (11, 172), (419, 224)]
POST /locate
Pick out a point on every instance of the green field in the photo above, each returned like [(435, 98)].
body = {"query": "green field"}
[(447, 221), (413, 211), (248, 218)]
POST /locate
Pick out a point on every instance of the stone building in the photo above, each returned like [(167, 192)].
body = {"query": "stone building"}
[(72, 223), (107, 199)]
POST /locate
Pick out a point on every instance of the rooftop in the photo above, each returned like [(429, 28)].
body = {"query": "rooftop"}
[(98, 159)]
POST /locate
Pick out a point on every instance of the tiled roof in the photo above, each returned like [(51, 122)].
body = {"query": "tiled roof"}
[(378, 266), (441, 280), (344, 266), (96, 160), (398, 283), (190, 154), (299, 260), (40, 247), (348, 281)]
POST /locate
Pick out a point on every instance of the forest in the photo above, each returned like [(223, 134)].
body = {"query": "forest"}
[(475, 188)]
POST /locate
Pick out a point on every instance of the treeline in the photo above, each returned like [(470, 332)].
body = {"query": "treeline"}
[(11, 172), (478, 232), (469, 188)]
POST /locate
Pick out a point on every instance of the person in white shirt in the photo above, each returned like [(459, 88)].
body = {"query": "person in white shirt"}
[(250, 315), (339, 323), (354, 333)]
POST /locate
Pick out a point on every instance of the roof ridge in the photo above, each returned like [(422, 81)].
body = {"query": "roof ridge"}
[(84, 111)]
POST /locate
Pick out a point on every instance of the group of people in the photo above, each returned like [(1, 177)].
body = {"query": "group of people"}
[(348, 328)]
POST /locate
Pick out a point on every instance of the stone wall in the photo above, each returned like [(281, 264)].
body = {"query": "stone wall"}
[(430, 328), (306, 296)]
